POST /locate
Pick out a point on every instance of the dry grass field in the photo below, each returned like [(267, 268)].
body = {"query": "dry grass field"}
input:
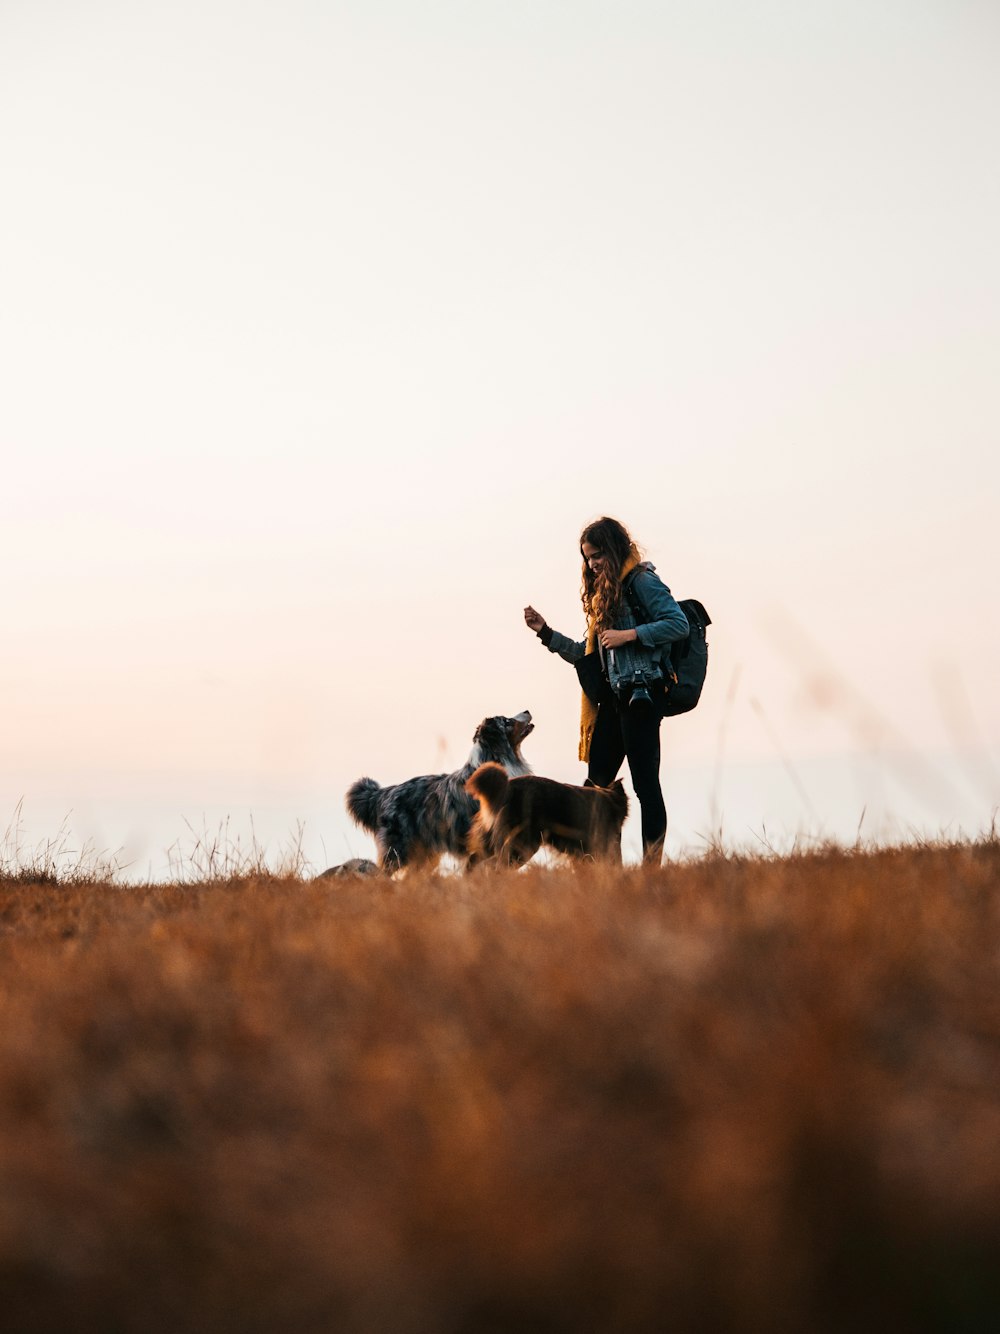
[(734, 1094)]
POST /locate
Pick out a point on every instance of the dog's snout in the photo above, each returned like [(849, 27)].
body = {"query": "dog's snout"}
[(522, 726)]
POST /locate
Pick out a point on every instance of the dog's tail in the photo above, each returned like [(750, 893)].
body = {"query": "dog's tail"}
[(489, 783), (362, 802)]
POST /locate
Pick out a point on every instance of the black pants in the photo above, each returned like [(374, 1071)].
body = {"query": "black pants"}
[(621, 732)]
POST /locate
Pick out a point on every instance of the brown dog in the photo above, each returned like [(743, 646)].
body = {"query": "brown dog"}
[(517, 816)]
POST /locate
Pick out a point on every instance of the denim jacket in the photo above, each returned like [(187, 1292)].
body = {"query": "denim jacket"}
[(645, 657)]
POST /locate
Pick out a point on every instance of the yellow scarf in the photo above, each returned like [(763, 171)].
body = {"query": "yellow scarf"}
[(588, 709)]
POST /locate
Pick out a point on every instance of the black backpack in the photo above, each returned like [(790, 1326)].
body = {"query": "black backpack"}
[(688, 656)]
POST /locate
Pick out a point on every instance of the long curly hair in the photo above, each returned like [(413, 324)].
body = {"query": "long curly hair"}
[(601, 593)]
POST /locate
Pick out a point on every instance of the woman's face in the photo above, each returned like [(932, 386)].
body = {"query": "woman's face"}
[(594, 557)]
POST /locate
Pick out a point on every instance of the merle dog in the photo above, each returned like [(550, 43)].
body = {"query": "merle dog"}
[(419, 820)]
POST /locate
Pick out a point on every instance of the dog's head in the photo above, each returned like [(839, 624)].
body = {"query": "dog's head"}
[(497, 734), (616, 796)]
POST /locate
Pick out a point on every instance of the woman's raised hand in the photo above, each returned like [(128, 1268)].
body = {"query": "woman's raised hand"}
[(532, 619)]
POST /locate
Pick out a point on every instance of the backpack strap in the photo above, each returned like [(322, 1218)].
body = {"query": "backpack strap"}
[(638, 611)]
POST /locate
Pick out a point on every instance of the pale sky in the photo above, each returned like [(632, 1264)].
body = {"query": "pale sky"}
[(326, 327)]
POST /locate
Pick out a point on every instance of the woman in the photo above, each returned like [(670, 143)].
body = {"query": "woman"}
[(632, 619)]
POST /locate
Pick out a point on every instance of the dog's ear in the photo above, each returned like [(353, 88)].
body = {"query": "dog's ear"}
[(488, 727), (587, 783)]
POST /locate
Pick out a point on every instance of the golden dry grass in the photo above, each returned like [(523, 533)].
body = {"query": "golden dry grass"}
[(733, 1094)]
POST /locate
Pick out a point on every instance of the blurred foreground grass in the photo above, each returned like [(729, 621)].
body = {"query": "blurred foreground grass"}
[(731, 1094)]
